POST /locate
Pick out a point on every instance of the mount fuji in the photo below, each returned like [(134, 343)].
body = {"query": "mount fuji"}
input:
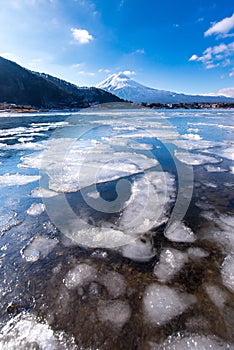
[(126, 88)]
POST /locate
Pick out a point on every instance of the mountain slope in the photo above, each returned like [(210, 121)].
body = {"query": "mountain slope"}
[(124, 87), (24, 87)]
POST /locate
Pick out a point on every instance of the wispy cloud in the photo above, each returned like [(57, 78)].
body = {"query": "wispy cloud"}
[(215, 56), (231, 74), (222, 27), (129, 72), (81, 36), (104, 70)]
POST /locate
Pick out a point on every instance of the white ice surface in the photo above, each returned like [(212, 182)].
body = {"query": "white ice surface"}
[(17, 179), (161, 303), (195, 158)]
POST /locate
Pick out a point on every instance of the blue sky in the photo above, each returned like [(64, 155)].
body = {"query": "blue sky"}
[(184, 46)]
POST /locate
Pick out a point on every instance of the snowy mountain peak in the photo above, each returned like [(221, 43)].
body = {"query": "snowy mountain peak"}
[(128, 89), (115, 82)]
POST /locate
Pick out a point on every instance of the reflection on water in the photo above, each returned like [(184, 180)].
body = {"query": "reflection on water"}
[(145, 262)]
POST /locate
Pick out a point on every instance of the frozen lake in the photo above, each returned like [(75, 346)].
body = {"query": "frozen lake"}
[(117, 230)]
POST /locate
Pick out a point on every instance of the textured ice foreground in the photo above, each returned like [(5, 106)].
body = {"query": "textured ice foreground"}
[(193, 342), (195, 158), (17, 179), (114, 283), (26, 332), (38, 248), (161, 303)]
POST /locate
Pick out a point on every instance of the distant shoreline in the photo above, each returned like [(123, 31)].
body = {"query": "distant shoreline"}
[(12, 108)]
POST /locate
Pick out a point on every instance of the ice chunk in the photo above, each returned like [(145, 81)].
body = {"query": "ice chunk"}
[(197, 253), (8, 220), (171, 261), (227, 272), (41, 192), (193, 342), (26, 332), (178, 232), (17, 179), (192, 136), (140, 250), (79, 276), (115, 312), (195, 158), (195, 145), (161, 303), (149, 203), (36, 209), (114, 283), (39, 247), (226, 153), (214, 169), (217, 295)]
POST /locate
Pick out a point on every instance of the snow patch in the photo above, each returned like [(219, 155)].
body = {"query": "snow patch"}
[(39, 247), (115, 312), (17, 179), (178, 232), (36, 209), (80, 276)]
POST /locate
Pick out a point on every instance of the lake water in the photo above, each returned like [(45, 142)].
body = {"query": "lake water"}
[(117, 230)]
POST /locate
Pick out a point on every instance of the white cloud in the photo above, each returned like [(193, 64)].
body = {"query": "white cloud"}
[(215, 56), (194, 58), (82, 72), (102, 70), (140, 51), (82, 36), (229, 92), (223, 27), (129, 72), (231, 74)]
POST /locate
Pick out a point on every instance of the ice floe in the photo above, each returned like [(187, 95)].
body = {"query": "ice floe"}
[(195, 158), (214, 169), (178, 232), (26, 332), (41, 192), (226, 153), (216, 294), (116, 313), (114, 283), (80, 276), (36, 209), (149, 203), (161, 303), (17, 179), (227, 272), (139, 250), (192, 136), (171, 261), (39, 247), (193, 342), (8, 220)]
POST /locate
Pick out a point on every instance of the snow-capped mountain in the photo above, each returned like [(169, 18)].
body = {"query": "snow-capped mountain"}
[(124, 87)]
